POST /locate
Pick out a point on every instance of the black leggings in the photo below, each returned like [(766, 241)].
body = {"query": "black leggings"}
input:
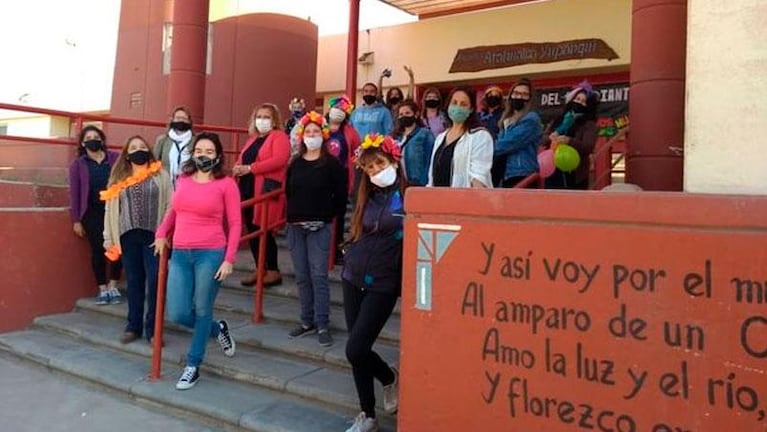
[(93, 223), (366, 313), (271, 243)]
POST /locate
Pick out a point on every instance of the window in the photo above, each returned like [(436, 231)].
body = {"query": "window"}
[(167, 43)]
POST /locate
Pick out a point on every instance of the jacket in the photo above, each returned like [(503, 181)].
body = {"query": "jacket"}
[(416, 155), (374, 261), (79, 184), (162, 148), (472, 160), (271, 163), (112, 213), (520, 142)]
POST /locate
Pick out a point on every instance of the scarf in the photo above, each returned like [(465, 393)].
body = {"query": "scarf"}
[(179, 153)]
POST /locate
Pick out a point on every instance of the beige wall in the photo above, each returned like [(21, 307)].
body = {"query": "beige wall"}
[(429, 46), (725, 149)]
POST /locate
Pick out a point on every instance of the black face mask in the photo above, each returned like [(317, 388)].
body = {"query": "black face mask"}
[(518, 104), (139, 157), (204, 163), (369, 99), (407, 121), (180, 126), (493, 101), (431, 103), (394, 100), (94, 145), (576, 107)]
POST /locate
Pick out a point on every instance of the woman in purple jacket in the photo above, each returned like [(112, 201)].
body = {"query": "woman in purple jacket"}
[(88, 175)]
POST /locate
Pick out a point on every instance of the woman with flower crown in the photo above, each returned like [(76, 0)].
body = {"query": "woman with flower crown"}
[(373, 271), (315, 187), (136, 201)]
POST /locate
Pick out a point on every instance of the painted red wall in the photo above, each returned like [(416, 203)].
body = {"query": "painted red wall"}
[(44, 265)]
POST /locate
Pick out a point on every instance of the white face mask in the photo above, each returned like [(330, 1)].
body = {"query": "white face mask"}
[(263, 125), (337, 115), (313, 143), (385, 178)]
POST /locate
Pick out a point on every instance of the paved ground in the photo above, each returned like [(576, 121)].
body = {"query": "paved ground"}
[(32, 399)]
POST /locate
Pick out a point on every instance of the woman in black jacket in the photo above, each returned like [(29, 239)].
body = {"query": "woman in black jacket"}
[(373, 271)]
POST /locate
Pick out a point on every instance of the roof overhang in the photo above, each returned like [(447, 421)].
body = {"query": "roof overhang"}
[(435, 8)]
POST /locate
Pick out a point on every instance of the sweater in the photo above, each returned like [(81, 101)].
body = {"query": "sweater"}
[(316, 190), (198, 214), (79, 184), (372, 119)]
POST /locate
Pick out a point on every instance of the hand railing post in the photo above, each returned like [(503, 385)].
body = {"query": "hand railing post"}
[(333, 245), (258, 308), (159, 317)]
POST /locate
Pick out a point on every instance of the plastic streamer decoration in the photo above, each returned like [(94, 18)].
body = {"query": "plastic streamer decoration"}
[(385, 143), (312, 117)]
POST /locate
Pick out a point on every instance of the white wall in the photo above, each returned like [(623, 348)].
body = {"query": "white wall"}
[(726, 118)]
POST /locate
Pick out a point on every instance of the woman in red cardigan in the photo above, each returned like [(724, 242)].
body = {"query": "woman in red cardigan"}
[(261, 168)]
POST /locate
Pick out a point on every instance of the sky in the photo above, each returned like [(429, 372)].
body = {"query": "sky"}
[(64, 58)]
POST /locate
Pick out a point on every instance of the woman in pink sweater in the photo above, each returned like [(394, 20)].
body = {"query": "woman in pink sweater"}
[(206, 224)]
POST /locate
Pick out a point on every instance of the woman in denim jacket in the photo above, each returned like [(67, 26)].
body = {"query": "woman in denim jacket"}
[(416, 141)]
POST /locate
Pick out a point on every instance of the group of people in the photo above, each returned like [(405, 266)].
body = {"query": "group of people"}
[(131, 204)]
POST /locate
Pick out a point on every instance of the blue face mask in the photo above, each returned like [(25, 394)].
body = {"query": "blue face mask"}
[(458, 114)]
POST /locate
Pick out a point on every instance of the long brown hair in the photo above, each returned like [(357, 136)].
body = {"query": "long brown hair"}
[(123, 167), (509, 111), (366, 187), (472, 122)]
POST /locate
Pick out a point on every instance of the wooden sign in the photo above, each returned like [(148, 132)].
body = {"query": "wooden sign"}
[(501, 56), (530, 311)]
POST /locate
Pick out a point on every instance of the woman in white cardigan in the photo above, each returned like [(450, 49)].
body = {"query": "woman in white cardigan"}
[(463, 154)]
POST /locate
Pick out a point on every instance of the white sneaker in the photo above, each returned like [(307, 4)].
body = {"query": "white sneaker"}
[(188, 378), (363, 423), (391, 394)]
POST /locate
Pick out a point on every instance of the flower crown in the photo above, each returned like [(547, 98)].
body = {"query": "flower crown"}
[(312, 117), (386, 144), (343, 103)]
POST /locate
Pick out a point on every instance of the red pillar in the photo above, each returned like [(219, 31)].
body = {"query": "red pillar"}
[(658, 54), (186, 83), (351, 49)]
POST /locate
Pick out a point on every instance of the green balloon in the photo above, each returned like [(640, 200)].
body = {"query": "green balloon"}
[(566, 158)]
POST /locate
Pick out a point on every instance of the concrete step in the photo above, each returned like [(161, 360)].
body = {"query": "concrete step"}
[(319, 382), (234, 405), (277, 309)]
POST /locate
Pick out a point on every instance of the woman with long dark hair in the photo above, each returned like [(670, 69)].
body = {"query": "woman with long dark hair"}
[(519, 136), (136, 202), (206, 224), (88, 176), (416, 141), (372, 273), (463, 154), (316, 192)]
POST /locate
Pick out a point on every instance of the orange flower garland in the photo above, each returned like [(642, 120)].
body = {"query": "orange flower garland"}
[(142, 174)]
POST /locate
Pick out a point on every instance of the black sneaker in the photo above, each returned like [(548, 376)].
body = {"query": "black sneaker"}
[(324, 337), (188, 378), (225, 339), (302, 331)]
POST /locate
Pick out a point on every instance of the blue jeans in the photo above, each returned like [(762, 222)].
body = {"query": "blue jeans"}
[(310, 251), (141, 267), (192, 291)]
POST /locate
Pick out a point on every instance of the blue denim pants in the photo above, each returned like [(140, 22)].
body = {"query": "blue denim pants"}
[(192, 291), (141, 267), (310, 252)]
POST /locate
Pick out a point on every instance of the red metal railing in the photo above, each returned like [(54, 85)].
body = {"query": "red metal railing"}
[(604, 165)]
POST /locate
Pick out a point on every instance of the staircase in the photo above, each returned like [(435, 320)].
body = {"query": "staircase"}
[(272, 384)]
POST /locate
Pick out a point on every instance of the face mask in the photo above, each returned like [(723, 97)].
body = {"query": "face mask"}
[(180, 126), (431, 103), (577, 108), (407, 121), (297, 113), (385, 178), (94, 145), (493, 101), (458, 114), (204, 163), (263, 125), (139, 157), (313, 143), (518, 104), (369, 99), (337, 115), (394, 100)]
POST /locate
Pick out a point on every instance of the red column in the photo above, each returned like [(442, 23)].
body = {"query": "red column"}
[(351, 49), (186, 83), (658, 53)]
